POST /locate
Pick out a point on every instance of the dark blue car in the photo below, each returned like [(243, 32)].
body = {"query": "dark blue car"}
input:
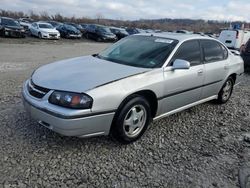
[(68, 31)]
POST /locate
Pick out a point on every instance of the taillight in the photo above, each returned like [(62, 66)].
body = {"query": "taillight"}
[(237, 34)]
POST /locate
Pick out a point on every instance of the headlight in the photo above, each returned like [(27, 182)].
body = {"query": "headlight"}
[(71, 100), (7, 29)]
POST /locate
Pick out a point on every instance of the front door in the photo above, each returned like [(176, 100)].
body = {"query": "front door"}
[(183, 87)]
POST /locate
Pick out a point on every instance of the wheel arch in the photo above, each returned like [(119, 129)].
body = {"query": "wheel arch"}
[(149, 95), (234, 76)]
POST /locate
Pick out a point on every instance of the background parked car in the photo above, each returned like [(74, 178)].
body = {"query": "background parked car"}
[(44, 30), (55, 24), (184, 31), (119, 32), (99, 33), (132, 31), (68, 31), (77, 26), (210, 34), (11, 28), (25, 22), (84, 26), (245, 54), (234, 39)]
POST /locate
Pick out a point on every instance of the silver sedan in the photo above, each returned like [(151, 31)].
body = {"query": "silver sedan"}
[(121, 90)]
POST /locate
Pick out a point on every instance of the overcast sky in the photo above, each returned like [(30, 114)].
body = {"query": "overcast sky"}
[(229, 10)]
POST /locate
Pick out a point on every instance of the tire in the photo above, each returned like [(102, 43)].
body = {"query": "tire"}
[(226, 91), (98, 39), (29, 33), (2, 33), (39, 35), (131, 120)]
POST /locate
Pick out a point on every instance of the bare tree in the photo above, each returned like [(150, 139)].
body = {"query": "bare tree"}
[(44, 15)]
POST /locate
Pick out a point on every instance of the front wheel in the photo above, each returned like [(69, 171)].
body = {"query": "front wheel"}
[(39, 35), (226, 91), (132, 120)]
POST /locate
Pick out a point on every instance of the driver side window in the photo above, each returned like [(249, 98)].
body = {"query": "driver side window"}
[(189, 51)]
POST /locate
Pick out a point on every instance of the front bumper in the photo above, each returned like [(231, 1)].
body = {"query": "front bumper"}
[(50, 36), (109, 39), (78, 36), (87, 125), (13, 33)]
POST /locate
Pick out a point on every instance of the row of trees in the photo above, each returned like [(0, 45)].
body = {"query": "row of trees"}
[(162, 24)]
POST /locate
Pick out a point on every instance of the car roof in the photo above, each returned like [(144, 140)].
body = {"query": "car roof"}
[(7, 18), (176, 36), (43, 22)]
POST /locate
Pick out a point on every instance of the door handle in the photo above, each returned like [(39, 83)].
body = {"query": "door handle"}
[(200, 72)]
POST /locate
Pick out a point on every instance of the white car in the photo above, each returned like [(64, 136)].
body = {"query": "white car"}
[(44, 30), (25, 22), (234, 39)]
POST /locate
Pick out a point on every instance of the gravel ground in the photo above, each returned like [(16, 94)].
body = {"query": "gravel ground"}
[(205, 146)]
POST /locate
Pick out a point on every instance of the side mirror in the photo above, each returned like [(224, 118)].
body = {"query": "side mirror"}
[(181, 64)]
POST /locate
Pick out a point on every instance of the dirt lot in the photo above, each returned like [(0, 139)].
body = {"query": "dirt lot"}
[(204, 146)]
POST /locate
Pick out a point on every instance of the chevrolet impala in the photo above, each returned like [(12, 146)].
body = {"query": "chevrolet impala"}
[(121, 90)]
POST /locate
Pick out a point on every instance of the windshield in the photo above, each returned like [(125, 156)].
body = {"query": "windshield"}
[(123, 31), (78, 26), (70, 27), (9, 22), (55, 24), (140, 51), (104, 29), (45, 26)]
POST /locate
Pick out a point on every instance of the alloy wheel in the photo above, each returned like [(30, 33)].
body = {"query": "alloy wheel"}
[(227, 90), (134, 121)]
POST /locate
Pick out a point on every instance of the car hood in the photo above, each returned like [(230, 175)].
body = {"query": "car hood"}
[(13, 27), (81, 74), (49, 30), (76, 31)]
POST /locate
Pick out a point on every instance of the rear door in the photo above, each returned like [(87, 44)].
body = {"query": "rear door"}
[(183, 87), (229, 37), (215, 58)]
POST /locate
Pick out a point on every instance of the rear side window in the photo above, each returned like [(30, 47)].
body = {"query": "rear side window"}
[(212, 51), (189, 51), (225, 52)]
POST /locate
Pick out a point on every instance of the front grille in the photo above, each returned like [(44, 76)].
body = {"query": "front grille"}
[(53, 35), (36, 91)]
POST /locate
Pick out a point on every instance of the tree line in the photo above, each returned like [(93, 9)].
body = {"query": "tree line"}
[(161, 24)]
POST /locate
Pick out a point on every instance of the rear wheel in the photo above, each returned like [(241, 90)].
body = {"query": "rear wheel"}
[(87, 36), (226, 91), (132, 120), (2, 32)]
